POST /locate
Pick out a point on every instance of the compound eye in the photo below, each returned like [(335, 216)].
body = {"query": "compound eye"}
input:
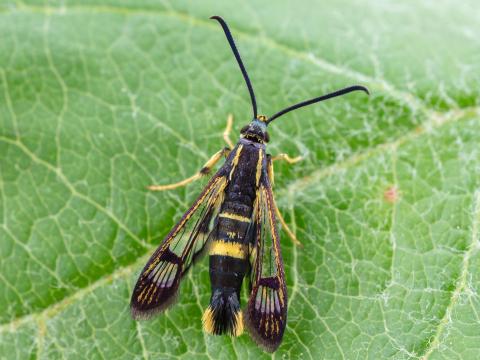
[(267, 137), (244, 129)]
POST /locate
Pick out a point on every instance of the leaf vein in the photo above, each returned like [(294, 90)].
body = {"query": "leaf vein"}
[(413, 101), (461, 282)]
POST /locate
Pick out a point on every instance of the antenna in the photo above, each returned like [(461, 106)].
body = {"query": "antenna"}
[(318, 99), (239, 60)]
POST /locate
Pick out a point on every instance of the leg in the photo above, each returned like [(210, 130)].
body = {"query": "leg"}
[(203, 171), (289, 232), (208, 165), (228, 129), (287, 158)]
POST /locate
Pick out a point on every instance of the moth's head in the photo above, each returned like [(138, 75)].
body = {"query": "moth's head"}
[(256, 131)]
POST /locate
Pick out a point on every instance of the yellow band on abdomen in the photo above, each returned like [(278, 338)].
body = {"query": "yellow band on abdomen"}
[(232, 249)]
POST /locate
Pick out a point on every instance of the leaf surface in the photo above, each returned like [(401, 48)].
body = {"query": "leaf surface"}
[(99, 99)]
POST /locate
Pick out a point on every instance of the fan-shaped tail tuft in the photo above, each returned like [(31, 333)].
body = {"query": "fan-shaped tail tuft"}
[(223, 315)]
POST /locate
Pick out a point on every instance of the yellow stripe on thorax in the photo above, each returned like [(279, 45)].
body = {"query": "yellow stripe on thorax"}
[(259, 169), (234, 217), (235, 160), (232, 249)]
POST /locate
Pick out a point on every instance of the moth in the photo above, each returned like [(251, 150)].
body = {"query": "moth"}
[(234, 219)]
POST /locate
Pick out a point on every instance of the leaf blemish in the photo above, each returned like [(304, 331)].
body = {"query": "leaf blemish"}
[(392, 194)]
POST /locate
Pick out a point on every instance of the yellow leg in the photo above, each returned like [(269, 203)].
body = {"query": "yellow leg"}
[(289, 232), (285, 227), (228, 129), (203, 171), (287, 158)]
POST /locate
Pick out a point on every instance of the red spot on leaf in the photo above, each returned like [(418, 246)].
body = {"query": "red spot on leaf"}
[(392, 194)]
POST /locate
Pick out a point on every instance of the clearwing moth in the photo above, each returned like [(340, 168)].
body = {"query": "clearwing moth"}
[(234, 219)]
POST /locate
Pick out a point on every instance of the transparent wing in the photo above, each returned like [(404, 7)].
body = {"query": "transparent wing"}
[(267, 307), (158, 283)]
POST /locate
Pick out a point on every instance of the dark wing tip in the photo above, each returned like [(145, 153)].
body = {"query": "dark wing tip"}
[(267, 344), (140, 312)]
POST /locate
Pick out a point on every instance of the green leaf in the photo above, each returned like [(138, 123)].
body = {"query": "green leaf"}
[(99, 99)]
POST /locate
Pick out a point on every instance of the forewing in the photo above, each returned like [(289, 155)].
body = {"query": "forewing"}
[(158, 283), (267, 307)]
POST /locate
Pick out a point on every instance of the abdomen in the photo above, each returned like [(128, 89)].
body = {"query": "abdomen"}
[(229, 247)]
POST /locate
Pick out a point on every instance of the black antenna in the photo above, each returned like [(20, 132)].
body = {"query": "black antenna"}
[(318, 99), (239, 60)]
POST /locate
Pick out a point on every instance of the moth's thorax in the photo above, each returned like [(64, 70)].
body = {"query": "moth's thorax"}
[(249, 157), (256, 131), (249, 142)]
